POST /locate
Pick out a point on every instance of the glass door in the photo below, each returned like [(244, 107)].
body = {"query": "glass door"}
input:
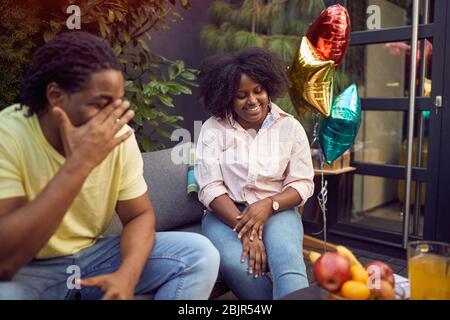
[(386, 201)]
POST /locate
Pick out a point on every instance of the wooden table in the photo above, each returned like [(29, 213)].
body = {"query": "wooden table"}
[(340, 196), (318, 172)]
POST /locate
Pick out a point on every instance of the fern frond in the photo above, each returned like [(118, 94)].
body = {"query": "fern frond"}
[(284, 47), (244, 39), (220, 12)]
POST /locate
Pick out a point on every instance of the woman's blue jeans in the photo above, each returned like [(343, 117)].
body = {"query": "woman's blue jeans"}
[(283, 239)]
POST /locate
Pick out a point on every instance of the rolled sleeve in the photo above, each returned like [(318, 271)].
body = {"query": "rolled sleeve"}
[(210, 192), (300, 171), (207, 169), (304, 189)]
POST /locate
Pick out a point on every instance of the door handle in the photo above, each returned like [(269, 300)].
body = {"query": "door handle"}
[(438, 101)]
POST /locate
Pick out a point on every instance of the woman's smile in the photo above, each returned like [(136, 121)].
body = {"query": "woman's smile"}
[(253, 110)]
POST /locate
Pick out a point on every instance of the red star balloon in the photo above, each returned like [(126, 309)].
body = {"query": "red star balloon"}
[(330, 33)]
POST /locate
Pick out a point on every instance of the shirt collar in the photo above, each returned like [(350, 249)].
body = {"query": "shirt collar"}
[(278, 112)]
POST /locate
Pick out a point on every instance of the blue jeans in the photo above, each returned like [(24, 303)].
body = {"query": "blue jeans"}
[(283, 239), (182, 265)]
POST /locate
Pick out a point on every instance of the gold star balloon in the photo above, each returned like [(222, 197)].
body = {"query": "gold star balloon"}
[(311, 80)]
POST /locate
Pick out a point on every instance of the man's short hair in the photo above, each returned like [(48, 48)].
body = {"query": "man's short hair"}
[(69, 59)]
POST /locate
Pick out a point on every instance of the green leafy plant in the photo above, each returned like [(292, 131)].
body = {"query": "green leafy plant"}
[(152, 98), (15, 45), (127, 26)]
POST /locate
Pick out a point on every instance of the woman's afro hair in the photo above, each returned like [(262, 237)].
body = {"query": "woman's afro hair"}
[(220, 75)]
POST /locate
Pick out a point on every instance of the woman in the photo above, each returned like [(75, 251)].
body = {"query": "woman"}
[(253, 168)]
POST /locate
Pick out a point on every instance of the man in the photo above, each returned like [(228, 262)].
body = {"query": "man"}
[(67, 161)]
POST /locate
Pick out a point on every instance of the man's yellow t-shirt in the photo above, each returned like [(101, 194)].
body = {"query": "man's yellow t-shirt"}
[(28, 162)]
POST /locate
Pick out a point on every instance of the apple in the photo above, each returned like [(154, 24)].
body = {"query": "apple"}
[(381, 268), (384, 292), (331, 271)]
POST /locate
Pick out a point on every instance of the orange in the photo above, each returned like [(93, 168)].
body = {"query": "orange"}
[(355, 290), (359, 274)]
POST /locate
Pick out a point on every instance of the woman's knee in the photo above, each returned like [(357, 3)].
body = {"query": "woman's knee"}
[(231, 263), (285, 225)]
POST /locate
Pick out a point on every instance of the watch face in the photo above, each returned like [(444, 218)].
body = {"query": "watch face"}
[(275, 205)]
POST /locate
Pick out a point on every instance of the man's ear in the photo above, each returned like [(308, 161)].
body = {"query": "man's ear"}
[(56, 96)]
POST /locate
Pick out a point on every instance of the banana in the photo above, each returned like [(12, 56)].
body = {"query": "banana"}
[(313, 256), (343, 251)]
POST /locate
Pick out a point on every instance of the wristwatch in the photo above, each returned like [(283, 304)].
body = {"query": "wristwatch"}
[(275, 205)]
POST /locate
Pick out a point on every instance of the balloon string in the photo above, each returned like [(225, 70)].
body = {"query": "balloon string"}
[(322, 198), (316, 118)]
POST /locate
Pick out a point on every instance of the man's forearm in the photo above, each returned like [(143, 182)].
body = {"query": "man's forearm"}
[(136, 243), (24, 231)]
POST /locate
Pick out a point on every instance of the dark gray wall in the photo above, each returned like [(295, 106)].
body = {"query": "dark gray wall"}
[(182, 42)]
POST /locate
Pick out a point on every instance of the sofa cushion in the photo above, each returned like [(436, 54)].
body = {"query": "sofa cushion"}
[(167, 187), (194, 227)]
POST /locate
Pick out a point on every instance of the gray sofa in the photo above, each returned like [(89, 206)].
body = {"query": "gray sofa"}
[(175, 210)]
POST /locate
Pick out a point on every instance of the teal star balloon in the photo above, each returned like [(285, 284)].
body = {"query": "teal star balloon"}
[(339, 130)]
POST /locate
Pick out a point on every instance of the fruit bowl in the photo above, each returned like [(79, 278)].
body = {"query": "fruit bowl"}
[(342, 277), (400, 294), (327, 295)]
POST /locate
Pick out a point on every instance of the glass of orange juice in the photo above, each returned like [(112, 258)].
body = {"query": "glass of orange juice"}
[(429, 270)]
